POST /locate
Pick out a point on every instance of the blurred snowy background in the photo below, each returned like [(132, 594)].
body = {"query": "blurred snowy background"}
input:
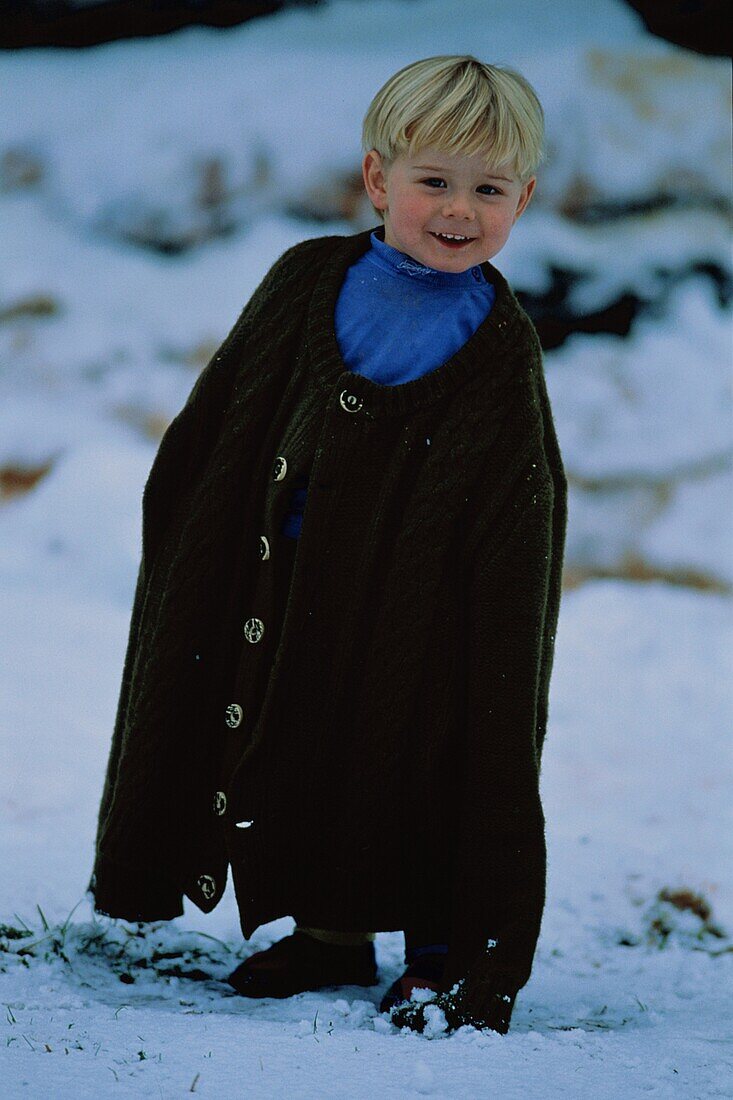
[(145, 188)]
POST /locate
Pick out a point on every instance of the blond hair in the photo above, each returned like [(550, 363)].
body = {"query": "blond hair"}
[(462, 106)]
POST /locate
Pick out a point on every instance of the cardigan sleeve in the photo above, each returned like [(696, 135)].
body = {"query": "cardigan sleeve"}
[(498, 886), (183, 450)]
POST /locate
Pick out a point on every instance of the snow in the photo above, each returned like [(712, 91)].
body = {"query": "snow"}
[(629, 995)]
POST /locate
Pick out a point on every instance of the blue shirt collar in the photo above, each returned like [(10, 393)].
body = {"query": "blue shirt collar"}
[(400, 264)]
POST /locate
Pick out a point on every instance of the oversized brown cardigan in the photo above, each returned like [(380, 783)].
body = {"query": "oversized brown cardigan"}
[(388, 738)]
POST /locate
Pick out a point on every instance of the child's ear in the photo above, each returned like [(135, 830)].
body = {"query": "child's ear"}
[(375, 180), (524, 196)]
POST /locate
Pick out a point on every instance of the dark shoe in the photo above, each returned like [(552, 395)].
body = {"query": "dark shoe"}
[(300, 962), (425, 971)]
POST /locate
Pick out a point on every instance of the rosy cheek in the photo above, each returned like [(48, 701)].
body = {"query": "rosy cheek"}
[(414, 204)]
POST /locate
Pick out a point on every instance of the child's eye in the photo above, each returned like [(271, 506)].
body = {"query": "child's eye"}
[(437, 179)]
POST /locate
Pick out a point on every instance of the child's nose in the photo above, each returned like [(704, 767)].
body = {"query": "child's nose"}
[(458, 205)]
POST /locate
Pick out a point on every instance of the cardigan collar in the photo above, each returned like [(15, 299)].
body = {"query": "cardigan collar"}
[(484, 351)]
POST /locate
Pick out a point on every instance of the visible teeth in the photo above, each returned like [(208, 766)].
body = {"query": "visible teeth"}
[(452, 237)]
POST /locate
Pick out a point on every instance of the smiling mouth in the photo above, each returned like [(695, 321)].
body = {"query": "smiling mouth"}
[(451, 242)]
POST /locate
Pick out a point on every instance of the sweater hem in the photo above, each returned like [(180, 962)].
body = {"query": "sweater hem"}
[(127, 892)]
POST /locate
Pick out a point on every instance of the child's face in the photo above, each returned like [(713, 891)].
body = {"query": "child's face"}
[(435, 192)]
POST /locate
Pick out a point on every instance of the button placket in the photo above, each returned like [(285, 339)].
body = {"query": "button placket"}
[(266, 600), (253, 630)]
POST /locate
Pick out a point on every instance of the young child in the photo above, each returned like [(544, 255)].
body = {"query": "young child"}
[(337, 674)]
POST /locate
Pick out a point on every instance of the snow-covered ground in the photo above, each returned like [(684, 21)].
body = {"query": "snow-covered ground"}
[(101, 338)]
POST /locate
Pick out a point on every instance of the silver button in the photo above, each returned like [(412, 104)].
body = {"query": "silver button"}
[(280, 467), (234, 715), (350, 401), (207, 885), (264, 548), (254, 629), (220, 803), (244, 824)]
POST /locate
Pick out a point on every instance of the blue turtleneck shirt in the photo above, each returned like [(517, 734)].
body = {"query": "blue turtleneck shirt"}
[(396, 320)]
